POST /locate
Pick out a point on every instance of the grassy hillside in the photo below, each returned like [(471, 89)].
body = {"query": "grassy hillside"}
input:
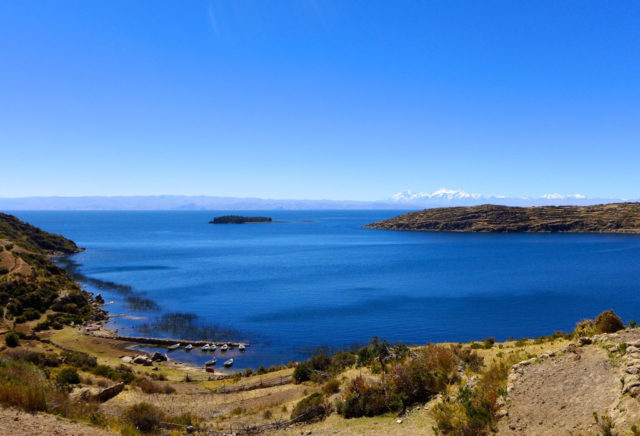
[(32, 238), (31, 285), (607, 218)]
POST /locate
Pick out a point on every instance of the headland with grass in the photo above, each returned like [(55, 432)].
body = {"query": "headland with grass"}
[(489, 218), (585, 381)]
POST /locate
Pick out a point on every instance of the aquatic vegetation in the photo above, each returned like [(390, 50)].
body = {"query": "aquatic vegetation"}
[(140, 303), (187, 326)]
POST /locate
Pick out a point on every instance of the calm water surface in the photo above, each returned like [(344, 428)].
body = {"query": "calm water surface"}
[(318, 278)]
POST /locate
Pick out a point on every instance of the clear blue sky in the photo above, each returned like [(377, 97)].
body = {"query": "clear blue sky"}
[(319, 99)]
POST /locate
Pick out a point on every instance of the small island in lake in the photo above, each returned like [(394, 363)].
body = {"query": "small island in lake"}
[(605, 218), (237, 219)]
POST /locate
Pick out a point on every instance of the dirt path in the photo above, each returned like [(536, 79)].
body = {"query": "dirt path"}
[(14, 422), (558, 395)]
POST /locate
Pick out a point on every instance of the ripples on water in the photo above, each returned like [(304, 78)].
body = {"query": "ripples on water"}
[(318, 278)]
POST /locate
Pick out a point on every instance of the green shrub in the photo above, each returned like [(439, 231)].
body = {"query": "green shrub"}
[(473, 412), (68, 376), (187, 418), (376, 349), (363, 398), (425, 375), (80, 360), (30, 314), (331, 387), (489, 342), (12, 339), (43, 325), (320, 362), (376, 368), (342, 360), (584, 328), (302, 373), (122, 373), (608, 322), (144, 416), (470, 359), (311, 408), (417, 379)]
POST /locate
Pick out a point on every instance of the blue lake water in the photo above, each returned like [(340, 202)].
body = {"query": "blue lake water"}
[(318, 278)]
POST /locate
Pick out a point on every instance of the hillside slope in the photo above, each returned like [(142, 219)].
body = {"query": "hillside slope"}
[(32, 238), (31, 285), (607, 218)]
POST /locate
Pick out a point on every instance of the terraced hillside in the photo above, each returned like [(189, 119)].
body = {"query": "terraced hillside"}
[(606, 218)]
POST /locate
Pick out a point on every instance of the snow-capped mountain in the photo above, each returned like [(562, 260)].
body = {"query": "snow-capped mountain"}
[(440, 194), (454, 197)]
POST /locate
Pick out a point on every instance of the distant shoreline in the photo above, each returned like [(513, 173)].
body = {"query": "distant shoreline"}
[(620, 218)]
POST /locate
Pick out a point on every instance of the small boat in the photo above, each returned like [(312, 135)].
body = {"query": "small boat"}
[(241, 347), (173, 347), (205, 347), (213, 347), (209, 369), (225, 347), (211, 362), (188, 347), (228, 363)]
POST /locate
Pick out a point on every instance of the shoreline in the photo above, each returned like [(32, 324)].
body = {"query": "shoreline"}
[(127, 343)]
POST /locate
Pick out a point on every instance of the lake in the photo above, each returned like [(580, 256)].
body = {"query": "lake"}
[(317, 278)]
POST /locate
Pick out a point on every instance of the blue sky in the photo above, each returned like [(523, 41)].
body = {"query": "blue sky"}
[(319, 99)]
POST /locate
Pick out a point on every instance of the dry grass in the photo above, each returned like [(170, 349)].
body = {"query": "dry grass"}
[(150, 387), (24, 386)]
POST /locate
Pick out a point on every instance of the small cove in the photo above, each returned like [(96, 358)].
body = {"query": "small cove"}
[(317, 278)]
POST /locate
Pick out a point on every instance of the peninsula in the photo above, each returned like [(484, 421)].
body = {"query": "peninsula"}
[(237, 219), (606, 218), (88, 381)]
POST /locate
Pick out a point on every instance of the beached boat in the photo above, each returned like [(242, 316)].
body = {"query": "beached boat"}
[(211, 362), (225, 347), (173, 347), (205, 347), (241, 347), (228, 363), (188, 347), (209, 369)]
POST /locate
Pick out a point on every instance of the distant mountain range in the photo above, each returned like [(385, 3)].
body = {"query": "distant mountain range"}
[(451, 197), (406, 200)]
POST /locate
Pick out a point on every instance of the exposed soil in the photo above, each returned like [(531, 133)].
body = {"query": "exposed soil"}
[(16, 422), (560, 394)]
